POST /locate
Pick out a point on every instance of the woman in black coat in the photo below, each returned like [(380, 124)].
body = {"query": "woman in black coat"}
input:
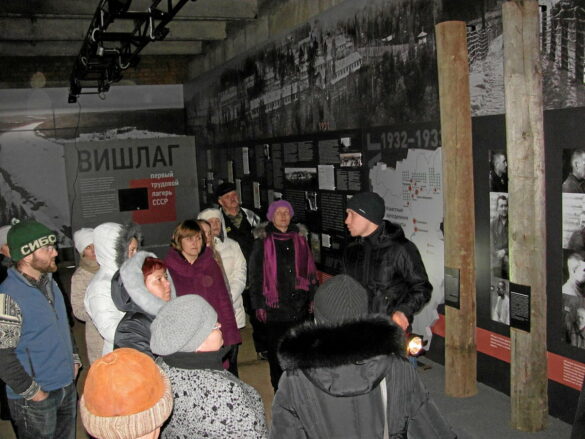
[(282, 278), (141, 290)]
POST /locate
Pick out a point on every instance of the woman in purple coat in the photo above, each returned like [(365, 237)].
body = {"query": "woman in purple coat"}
[(194, 271)]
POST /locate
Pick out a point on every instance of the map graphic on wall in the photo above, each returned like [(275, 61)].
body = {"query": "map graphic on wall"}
[(414, 199)]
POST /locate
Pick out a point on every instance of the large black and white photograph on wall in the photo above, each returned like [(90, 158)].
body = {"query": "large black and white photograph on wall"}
[(573, 298), (360, 63), (563, 63), (301, 177), (573, 243), (499, 252), (499, 257), (500, 264)]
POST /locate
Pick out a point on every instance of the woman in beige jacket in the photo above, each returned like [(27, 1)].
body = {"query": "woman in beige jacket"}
[(88, 266)]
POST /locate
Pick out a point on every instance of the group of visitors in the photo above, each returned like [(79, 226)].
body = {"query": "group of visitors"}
[(163, 334)]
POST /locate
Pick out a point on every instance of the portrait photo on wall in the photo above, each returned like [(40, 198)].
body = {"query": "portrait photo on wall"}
[(574, 171), (499, 255), (498, 171), (500, 300)]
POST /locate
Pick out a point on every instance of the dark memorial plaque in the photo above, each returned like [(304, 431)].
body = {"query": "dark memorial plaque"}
[(329, 152), (306, 151), (238, 159), (290, 152), (297, 200), (277, 166), (520, 306), (332, 212), (259, 160), (348, 180)]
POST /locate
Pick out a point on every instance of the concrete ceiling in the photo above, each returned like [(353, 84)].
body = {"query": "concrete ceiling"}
[(33, 28)]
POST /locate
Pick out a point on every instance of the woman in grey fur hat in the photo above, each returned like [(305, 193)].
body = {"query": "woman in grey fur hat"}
[(209, 401), (143, 287)]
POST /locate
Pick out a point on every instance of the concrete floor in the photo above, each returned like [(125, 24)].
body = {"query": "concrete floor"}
[(484, 416)]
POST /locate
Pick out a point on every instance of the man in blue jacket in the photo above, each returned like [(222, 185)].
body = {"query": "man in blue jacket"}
[(37, 359)]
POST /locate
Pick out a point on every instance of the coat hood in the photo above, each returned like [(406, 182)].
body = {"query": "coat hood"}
[(344, 359), (111, 243), (262, 229), (129, 292)]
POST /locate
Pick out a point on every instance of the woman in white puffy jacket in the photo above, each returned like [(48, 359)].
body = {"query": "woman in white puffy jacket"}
[(234, 265), (114, 243)]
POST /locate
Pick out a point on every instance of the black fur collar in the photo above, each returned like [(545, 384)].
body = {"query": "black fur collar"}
[(314, 345)]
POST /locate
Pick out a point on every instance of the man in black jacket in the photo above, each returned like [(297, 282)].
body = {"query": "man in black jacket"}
[(388, 265)]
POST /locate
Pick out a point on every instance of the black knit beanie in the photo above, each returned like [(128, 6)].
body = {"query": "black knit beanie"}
[(224, 188), (340, 298), (369, 205)]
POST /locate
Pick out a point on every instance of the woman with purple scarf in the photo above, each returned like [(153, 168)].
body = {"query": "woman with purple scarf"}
[(282, 278)]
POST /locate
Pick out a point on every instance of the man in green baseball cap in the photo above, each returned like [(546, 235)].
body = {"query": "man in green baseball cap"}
[(38, 358)]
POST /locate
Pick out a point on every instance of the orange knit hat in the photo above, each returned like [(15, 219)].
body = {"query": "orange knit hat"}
[(126, 395)]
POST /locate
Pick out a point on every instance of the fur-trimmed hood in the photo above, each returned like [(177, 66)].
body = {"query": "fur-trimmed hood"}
[(266, 227), (111, 243), (342, 359), (129, 292)]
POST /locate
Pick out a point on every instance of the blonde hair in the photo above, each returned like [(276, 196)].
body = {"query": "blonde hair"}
[(186, 229)]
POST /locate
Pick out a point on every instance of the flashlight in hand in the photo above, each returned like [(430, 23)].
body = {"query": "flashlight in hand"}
[(415, 345)]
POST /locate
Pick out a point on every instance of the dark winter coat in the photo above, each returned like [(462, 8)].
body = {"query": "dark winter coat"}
[(130, 295), (293, 305), (242, 235), (390, 268), (331, 385), (5, 264)]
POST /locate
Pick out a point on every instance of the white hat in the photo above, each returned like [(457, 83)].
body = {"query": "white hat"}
[(82, 238), (207, 214), (3, 235)]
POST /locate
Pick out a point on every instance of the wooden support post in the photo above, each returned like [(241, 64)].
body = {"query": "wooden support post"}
[(458, 196), (527, 221)]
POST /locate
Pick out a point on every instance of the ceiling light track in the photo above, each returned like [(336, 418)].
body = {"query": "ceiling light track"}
[(104, 56)]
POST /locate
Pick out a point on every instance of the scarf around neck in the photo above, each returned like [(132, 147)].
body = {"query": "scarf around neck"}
[(89, 265), (305, 270)]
